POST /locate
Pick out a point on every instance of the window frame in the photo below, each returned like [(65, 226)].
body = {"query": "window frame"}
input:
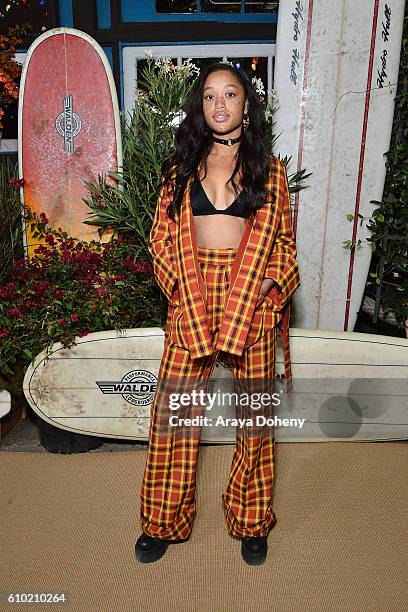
[(131, 52), (145, 11)]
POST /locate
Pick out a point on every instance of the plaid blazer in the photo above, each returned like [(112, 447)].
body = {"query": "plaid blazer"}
[(267, 249)]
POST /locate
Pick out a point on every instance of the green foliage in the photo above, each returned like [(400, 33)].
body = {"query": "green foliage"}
[(68, 289), (389, 222), (147, 137), (11, 241)]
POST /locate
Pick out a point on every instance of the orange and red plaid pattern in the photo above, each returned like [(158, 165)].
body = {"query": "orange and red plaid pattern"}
[(267, 249), (168, 504)]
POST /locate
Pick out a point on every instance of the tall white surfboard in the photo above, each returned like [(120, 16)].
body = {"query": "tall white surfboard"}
[(336, 73)]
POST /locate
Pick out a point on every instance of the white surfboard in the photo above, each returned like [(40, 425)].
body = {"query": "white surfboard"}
[(336, 73), (347, 386), (5, 402)]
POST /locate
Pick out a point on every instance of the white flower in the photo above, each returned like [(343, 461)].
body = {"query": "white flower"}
[(163, 63), (149, 53), (191, 67), (141, 96), (187, 69), (272, 103), (259, 86)]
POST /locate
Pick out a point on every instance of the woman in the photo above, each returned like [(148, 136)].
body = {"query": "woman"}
[(224, 255)]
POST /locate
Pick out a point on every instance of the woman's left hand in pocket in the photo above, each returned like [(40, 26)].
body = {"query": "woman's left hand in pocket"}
[(266, 286)]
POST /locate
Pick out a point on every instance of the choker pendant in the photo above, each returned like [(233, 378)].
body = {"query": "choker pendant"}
[(228, 142)]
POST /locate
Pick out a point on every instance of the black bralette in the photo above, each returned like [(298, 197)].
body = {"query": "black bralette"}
[(201, 204)]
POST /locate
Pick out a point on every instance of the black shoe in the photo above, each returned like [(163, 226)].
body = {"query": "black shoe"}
[(254, 550), (150, 549)]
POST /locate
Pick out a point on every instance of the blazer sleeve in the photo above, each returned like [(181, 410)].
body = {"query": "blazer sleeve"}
[(160, 244), (282, 264)]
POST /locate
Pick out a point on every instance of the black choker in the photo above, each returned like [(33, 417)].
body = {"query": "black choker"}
[(228, 142)]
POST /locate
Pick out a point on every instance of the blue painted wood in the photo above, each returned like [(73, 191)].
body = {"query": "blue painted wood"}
[(66, 13), (103, 14), (108, 51), (146, 11)]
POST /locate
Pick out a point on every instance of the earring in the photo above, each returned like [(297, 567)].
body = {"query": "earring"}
[(245, 122)]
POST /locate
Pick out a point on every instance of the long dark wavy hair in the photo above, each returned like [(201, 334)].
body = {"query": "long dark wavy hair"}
[(194, 143)]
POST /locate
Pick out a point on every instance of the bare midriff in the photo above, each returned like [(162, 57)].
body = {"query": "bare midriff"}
[(219, 231)]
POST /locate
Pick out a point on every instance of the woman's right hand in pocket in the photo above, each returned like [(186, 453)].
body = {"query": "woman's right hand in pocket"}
[(175, 296)]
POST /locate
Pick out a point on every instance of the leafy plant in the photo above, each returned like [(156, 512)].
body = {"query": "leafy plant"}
[(10, 69), (69, 288), (11, 241), (389, 222), (128, 206)]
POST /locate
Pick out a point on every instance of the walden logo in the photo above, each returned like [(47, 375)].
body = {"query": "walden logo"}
[(68, 124), (137, 387)]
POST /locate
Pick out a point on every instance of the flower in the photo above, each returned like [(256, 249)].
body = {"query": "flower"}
[(189, 67), (164, 63), (14, 313), (141, 96), (17, 182), (102, 292), (8, 290), (4, 331), (259, 86), (192, 68), (74, 317), (58, 294), (42, 250), (41, 287)]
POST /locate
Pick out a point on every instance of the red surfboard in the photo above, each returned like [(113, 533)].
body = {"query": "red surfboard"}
[(68, 129)]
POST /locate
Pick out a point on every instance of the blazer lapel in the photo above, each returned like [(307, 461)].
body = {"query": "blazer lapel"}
[(246, 278), (191, 283)]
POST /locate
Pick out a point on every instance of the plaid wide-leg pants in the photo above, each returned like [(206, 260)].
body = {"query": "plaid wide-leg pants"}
[(168, 503)]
